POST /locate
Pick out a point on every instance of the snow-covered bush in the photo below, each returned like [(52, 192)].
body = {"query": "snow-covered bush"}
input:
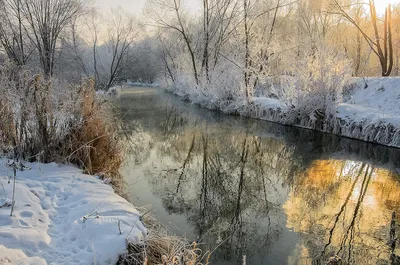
[(315, 87), (48, 120), (222, 90)]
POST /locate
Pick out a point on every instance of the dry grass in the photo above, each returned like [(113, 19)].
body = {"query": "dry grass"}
[(159, 248), (52, 121), (92, 141)]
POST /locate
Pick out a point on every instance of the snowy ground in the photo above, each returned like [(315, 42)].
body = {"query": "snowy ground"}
[(373, 99), (130, 83), (48, 226), (372, 110)]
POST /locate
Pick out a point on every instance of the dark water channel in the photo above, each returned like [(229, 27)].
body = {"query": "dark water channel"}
[(258, 191)]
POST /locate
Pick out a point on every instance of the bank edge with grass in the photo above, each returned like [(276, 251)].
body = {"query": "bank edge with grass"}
[(342, 108), (48, 120)]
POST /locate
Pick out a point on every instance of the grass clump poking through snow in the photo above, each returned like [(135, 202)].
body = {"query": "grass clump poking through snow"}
[(48, 120), (159, 248)]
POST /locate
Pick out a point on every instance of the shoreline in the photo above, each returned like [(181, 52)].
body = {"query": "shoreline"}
[(63, 216), (341, 124)]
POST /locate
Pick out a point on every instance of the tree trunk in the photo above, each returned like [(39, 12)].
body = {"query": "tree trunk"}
[(206, 28), (247, 52)]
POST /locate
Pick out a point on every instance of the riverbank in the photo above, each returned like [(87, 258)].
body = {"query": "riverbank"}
[(62, 216), (368, 110), (263, 190)]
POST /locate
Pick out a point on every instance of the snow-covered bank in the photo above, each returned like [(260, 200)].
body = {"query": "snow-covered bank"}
[(62, 216), (131, 83), (371, 111), (368, 110)]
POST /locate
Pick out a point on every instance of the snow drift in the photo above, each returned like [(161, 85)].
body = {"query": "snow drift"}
[(371, 110), (62, 216)]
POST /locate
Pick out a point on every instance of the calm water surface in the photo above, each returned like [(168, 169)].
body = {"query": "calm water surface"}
[(256, 190)]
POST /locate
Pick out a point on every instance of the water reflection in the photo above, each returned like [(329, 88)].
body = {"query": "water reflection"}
[(222, 186), (258, 191), (342, 207)]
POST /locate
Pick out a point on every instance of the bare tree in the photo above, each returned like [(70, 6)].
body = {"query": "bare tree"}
[(385, 52), (206, 28), (121, 36), (13, 37), (247, 62), (46, 20), (218, 24), (167, 58), (93, 26), (259, 23), (175, 7), (226, 14), (72, 54), (77, 44)]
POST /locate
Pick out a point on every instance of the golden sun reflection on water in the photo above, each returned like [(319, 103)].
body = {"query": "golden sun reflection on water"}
[(344, 208)]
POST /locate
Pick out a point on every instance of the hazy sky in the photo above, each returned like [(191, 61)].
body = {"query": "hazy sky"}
[(136, 6)]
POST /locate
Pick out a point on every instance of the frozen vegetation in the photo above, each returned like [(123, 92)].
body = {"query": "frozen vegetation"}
[(300, 66), (319, 94), (368, 109)]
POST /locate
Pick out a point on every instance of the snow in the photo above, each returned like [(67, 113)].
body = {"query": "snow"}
[(371, 110), (377, 103), (111, 91), (101, 92), (132, 83), (368, 110), (360, 114), (48, 226), (268, 103), (382, 94)]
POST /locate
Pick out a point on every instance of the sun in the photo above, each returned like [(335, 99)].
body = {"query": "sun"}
[(382, 4)]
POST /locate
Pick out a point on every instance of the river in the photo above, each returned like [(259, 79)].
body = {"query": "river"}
[(256, 192)]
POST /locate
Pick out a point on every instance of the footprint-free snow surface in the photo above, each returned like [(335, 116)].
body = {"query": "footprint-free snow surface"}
[(62, 216), (375, 100)]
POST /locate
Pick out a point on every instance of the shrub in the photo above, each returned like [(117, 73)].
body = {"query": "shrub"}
[(316, 86), (48, 120), (160, 248)]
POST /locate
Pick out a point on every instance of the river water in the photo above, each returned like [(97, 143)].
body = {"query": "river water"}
[(256, 192)]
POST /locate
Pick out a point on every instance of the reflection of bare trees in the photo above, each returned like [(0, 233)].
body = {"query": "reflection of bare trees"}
[(239, 190), (352, 222), (342, 208), (185, 163), (347, 241), (226, 186), (173, 121), (349, 234)]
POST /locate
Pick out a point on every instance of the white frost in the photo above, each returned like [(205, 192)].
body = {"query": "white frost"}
[(369, 108), (269, 103)]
